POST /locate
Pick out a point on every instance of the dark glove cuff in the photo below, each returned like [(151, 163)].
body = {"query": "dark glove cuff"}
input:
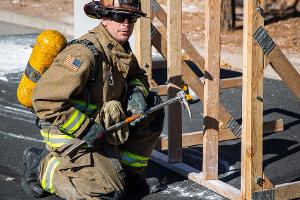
[(92, 122)]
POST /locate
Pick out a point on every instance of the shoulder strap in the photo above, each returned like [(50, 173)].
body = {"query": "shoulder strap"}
[(97, 55)]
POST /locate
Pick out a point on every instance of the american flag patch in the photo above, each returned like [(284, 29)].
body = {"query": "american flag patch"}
[(72, 63)]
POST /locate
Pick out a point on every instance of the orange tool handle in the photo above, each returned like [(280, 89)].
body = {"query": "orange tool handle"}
[(132, 118)]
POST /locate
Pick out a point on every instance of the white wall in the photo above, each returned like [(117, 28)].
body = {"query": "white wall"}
[(82, 23)]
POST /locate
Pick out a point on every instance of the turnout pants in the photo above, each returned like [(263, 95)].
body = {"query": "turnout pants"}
[(92, 173)]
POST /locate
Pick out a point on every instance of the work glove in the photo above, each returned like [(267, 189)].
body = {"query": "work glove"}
[(111, 113), (95, 133), (136, 104)]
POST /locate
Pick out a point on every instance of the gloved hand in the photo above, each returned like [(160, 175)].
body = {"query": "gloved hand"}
[(136, 104), (95, 133)]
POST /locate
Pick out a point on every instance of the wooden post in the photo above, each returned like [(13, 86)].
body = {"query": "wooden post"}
[(211, 88), (143, 45), (228, 15), (187, 46), (195, 83), (252, 133), (174, 77)]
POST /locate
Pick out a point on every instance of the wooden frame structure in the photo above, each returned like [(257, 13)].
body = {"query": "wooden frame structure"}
[(219, 125)]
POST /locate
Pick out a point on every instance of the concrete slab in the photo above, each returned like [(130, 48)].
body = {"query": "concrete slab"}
[(35, 22)]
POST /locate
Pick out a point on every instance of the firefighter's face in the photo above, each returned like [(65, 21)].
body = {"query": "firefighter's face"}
[(121, 31)]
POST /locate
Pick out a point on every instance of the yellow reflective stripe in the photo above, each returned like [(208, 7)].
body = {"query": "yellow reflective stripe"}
[(73, 123), (125, 162), (133, 160), (47, 180), (81, 105), (55, 140), (140, 85), (69, 122)]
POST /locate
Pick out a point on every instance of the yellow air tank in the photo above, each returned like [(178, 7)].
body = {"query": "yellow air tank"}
[(48, 44)]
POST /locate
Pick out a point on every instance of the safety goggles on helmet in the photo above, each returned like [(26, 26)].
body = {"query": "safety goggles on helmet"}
[(120, 17)]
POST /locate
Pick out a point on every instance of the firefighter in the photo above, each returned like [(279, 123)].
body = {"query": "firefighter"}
[(92, 84)]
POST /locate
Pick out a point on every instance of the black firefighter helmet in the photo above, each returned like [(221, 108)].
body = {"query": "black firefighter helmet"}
[(102, 8)]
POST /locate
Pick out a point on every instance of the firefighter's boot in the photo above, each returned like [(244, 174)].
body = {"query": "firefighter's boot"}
[(30, 182), (136, 182)]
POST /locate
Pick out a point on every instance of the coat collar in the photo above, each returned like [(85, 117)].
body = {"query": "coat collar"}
[(120, 56)]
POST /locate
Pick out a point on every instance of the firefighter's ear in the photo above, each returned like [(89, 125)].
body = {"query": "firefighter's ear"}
[(104, 21)]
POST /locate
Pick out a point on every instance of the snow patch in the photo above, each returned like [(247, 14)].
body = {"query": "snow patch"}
[(13, 57), (3, 91), (10, 179), (190, 192), (2, 78)]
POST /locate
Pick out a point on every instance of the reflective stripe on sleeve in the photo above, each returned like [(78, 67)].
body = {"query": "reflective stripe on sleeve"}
[(82, 107), (47, 180), (55, 140), (73, 123), (133, 160)]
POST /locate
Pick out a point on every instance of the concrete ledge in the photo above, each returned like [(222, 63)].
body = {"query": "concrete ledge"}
[(35, 22)]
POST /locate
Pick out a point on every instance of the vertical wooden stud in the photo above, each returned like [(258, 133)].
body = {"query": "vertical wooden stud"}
[(252, 133), (211, 88), (174, 77), (143, 46)]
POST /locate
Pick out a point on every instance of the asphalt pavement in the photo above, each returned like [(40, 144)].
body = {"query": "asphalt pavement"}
[(281, 150)]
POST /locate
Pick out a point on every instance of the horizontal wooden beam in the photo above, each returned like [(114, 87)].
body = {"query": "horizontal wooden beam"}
[(226, 84), (196, 176), (217, 186), (279, 192), (195, 138), (231, 83), (287, 191), (273, 126)]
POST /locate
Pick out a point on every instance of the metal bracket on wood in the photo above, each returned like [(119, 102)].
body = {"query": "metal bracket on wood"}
[(155, 5), (264, 195), (264, 40), (260, 11), (235, 127)]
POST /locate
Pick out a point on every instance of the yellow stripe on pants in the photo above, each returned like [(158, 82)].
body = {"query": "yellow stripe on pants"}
[(47, 180)]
